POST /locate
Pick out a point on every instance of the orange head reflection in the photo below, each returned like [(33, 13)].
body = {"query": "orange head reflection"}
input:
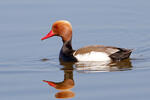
[(65, 85), (64, 94), (50, 83), (64, 88)]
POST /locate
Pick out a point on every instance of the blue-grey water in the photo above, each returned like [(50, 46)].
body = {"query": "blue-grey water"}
[(25, 60)]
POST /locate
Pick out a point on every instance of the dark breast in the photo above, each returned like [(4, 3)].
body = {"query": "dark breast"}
[(67, 56)]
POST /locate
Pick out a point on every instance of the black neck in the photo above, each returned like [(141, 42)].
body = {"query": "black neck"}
[(67, 47), (66, 53)]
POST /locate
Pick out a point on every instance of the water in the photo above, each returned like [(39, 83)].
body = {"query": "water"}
[(26, 61)]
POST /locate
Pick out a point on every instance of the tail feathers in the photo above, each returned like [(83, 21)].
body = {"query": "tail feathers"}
[(122, 54)]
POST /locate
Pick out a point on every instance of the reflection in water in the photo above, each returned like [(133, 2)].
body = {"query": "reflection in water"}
[(84, 67), (65, 94), (66, 84)]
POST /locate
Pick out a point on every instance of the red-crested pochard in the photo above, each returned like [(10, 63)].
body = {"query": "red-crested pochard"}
[(63, 29)]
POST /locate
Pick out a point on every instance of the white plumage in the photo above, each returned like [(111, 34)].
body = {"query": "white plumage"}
[(93, 56)]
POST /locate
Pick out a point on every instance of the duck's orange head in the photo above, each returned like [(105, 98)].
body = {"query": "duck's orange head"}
[(60, 28)]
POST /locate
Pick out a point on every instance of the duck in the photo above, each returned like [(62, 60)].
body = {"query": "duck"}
[(63, 29)]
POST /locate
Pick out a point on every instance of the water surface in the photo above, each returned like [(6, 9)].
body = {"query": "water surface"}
[(26, 60)]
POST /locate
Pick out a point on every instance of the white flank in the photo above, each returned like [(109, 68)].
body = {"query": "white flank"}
[(93, 56)]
